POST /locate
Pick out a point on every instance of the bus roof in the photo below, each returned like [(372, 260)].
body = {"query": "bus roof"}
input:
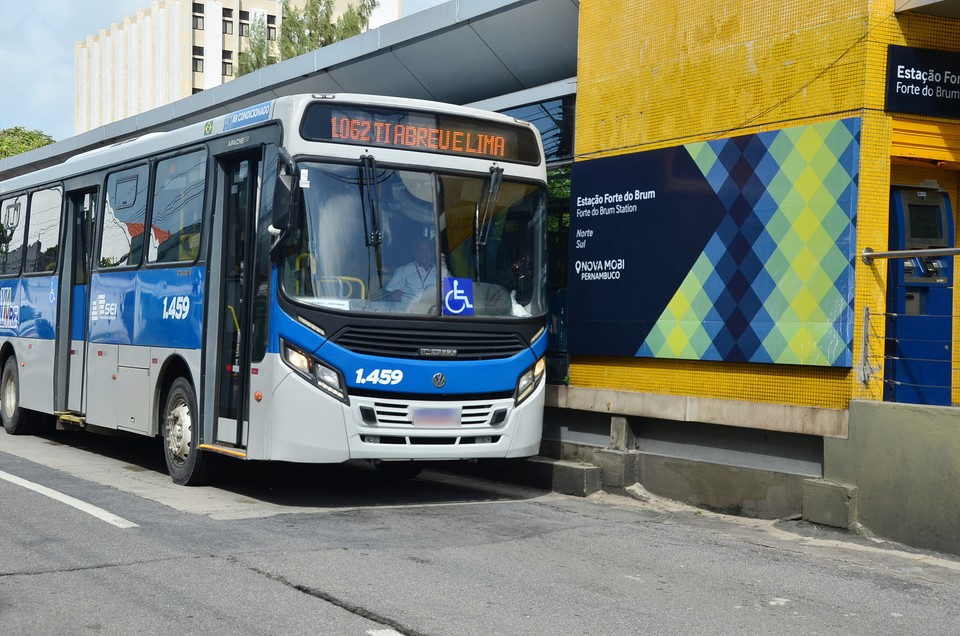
[(159, 142)]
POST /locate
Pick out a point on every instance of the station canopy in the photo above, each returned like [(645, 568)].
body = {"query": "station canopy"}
[(942, 8)]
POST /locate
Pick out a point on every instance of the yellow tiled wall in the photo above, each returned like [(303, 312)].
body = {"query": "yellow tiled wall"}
[(654, 74), (660, 74)]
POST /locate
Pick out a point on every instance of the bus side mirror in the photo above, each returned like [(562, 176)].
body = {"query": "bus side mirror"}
[(286, 196)]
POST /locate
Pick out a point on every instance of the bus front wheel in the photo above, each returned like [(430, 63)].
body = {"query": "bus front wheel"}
[(10, 412), (180, 423)]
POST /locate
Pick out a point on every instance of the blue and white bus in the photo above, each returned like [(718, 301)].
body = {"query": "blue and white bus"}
[(316, 278)]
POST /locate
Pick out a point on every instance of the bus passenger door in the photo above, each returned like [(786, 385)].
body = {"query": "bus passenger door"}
[(73, 309), (232, 277)]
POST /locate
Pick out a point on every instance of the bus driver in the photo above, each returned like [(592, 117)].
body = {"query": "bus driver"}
[(411, 280)]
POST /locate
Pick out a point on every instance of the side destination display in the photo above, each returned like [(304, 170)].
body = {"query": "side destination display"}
[(734, 250)]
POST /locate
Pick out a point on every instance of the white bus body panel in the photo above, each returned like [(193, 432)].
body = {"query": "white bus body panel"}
[(35, 358), (75, 380), (517, 436), (100, 380), (133, 389), (307, 425)]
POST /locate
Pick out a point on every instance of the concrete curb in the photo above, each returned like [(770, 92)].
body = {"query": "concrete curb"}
[(557, 475)]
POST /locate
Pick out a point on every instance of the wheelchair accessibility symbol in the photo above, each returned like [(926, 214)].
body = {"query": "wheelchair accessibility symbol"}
[(457, 297)]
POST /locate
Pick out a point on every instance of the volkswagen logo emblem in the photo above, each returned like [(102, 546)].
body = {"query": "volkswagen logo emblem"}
[(439, 380)]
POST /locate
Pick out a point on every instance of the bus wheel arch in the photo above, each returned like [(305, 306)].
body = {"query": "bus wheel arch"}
[(5, 352), (172, 368)]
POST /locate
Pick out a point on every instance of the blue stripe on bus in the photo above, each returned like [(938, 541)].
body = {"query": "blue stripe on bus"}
[(278, 317), (78, 315), (28, 307), (463, 377), (149, 307)]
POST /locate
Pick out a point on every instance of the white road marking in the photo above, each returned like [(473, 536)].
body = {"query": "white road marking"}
[(82, 506), (384, 632)]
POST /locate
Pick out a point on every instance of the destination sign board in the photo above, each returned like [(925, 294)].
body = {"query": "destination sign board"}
[(420, 131)]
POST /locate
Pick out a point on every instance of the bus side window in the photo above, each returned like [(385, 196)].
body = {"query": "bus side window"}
[(124, 215), (13, 215), (43, 230), (177, 211)]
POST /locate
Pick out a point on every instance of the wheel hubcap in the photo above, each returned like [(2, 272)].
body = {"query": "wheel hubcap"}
[(9, 397), (178, 431)]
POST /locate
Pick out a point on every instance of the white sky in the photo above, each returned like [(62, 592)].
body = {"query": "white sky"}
[(36, 56)]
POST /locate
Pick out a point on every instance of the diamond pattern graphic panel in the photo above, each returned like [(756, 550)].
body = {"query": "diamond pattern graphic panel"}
[(775, 281)]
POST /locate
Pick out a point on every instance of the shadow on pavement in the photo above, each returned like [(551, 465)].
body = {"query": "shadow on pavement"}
[(352, 484)]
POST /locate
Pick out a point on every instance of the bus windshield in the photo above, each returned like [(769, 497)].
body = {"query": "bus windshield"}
[(374, 239)]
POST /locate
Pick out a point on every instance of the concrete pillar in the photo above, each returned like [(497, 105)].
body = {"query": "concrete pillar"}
[(830, 503), (622, 436)]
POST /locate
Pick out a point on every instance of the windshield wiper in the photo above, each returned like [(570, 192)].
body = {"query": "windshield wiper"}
[(481, 229), (371, 202)]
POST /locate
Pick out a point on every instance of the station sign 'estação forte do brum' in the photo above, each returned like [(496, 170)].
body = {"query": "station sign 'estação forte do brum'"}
[(923, 82)]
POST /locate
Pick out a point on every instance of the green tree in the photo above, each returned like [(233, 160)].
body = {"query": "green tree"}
[(355, 19), (313, 26), (257, 54), (304, 30), (307, 29), (16, 140)]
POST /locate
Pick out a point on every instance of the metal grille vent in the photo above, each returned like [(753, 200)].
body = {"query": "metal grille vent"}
[(397, 414), (416, 343), (407, 440)]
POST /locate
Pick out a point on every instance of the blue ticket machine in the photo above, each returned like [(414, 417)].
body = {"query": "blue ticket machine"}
[(919, 299)]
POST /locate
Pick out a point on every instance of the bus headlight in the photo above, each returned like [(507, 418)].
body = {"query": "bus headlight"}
[(329, 380), (325, 377), (529, 381), (297, 359)]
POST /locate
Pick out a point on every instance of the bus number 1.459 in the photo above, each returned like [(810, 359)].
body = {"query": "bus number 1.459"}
[(380, 376)]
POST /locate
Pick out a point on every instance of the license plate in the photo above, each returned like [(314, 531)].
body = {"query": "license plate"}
[(436, 418)]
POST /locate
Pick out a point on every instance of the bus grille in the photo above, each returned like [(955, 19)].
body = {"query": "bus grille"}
[(406, 440), (398, 414), (417, 343)]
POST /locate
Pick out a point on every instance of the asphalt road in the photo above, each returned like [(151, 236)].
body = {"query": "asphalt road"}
[(95, 539)]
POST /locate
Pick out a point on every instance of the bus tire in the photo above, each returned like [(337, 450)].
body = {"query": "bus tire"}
[(180, 423), (12, 415)]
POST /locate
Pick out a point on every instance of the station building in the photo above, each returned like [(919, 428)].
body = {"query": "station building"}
[(733, 183), (733, 163)]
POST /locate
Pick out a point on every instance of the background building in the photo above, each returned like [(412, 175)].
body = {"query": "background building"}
[(387, 11), (176, 48), (172, 50)]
